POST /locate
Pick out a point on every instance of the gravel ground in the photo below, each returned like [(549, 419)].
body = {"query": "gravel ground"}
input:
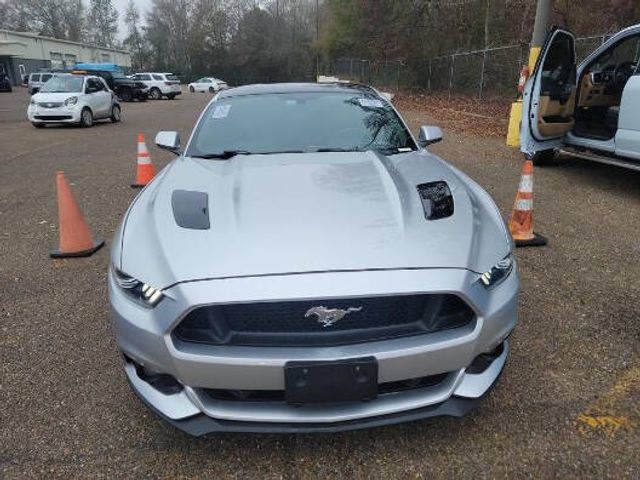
[(566, 406)]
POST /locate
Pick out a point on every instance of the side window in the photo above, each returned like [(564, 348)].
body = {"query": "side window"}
[(45, 77), (144, 76), (559, 66), (158, 77), (207, 80), (35, 77), (625, 52), (92, 85)]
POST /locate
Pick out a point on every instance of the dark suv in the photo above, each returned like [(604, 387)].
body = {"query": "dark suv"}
[(125, 88)]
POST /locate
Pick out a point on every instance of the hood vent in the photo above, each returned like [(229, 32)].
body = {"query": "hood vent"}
[(191, 209), (437, 200)]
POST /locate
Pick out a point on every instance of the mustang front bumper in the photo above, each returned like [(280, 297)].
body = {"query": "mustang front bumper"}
[(144, 336)]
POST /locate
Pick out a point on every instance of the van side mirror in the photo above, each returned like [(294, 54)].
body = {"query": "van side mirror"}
[(429, 135), (169, 141)]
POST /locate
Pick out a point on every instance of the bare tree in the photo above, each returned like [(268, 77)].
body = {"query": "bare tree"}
[(102, 22), (54, 18), (134, 41)]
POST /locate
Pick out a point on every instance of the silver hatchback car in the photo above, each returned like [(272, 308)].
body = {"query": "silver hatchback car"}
[(306, 265)]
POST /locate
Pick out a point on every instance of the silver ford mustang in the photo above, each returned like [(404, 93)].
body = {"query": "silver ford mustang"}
[(306, 265)]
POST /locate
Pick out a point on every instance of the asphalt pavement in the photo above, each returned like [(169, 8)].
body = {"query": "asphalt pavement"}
[(567, 405)]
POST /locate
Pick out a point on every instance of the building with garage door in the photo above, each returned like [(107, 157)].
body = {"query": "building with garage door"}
[(24, 52)]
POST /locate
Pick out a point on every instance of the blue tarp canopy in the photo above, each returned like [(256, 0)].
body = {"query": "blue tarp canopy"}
[(109, 67)]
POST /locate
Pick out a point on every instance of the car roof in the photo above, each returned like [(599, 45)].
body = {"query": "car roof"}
[(259, 89)]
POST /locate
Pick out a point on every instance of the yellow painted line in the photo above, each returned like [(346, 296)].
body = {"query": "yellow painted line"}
[(601, 417), (607, 424)]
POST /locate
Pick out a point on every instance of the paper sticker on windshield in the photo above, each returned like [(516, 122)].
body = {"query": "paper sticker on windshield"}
[(221, 111), (370, 103)]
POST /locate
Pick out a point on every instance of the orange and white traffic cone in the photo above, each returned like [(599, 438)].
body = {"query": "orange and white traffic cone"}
[(75, 237), (521, 223), (145, 169)]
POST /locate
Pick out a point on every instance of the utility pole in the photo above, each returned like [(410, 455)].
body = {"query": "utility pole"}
[(543, 16), (540, 27)]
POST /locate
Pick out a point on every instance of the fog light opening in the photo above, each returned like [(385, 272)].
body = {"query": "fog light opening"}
[(484, 360), (163, 382)]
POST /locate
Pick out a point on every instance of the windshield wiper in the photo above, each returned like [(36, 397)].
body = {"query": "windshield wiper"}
[(337, 149), (224, 155), (281, 151)]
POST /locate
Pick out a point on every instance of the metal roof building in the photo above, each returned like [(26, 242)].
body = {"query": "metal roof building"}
[(24, 52)]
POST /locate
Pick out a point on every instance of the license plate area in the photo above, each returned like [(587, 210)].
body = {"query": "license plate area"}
[(350, 380)]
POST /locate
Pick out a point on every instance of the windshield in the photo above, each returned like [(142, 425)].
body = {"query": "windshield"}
[(117, 75), (299, 122), (63, 84)]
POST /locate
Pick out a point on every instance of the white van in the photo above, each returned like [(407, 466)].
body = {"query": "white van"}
[(591, 111), (37, 80)]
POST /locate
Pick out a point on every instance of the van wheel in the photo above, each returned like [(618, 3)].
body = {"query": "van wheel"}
[(171, 96), (543, 158), (212, 90), (86, 118), (115, 114), (191, 89), (155, 94)]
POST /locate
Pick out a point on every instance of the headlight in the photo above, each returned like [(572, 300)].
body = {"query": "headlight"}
[(498, 273), (71, 101), (145, 293)]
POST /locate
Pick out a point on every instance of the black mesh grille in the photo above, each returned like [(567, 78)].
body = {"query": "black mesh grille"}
[(296, 324)]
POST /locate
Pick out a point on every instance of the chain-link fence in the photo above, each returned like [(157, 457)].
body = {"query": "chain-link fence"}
[(491, 72)]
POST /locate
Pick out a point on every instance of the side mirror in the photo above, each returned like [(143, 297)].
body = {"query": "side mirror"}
[(429, 135), (169, 141)]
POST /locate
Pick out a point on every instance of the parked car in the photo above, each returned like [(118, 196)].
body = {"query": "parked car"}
[(207, 84), (5, 84), (160, 85), (589, 111), (125, 88), (307, 265), (37, 80), (76, 99)]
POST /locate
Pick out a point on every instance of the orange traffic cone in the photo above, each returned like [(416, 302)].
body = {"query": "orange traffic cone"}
[(146, 171), (521, 223), (75, 237)]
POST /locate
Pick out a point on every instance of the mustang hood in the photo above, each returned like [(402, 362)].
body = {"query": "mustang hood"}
[(313, 212)]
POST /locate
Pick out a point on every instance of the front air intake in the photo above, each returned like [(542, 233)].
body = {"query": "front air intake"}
[(296, 323)]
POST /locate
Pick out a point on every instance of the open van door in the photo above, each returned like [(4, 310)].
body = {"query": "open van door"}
[(549, 97), (628, 131)]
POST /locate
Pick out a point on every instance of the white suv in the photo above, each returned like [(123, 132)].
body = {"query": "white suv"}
[(160, 84), (69, 98)]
